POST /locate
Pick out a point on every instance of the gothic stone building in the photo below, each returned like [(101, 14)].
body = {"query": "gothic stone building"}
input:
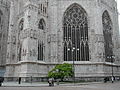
[(4, 23), (44, 33)]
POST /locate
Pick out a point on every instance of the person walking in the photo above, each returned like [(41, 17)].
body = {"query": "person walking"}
[(112, 79), (19, 80), (1, 80)]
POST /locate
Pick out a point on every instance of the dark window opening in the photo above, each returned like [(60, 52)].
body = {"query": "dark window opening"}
[(75, 34)]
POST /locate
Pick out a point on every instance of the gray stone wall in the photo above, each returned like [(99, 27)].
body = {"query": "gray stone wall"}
[(52, 37), (4, 21)]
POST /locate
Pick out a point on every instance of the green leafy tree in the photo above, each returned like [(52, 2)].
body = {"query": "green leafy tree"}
[(61, 71)]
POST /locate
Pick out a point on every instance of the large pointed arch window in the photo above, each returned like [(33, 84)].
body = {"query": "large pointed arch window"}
[(107, 32), (75, 34)]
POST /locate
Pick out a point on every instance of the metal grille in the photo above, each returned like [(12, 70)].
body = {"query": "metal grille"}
[(75, 34)]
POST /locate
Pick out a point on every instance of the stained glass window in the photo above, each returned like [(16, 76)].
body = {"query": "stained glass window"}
[(75, 34)]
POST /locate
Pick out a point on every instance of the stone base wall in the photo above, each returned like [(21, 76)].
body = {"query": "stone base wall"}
[(86, 71)]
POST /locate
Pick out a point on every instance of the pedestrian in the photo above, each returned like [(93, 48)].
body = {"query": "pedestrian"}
[(19, 80), (1, 80), (58, 81), (112, 79), (31, 79), (51, 81), (105, 79)]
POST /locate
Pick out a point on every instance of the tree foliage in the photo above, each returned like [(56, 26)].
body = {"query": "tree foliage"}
[(61, 71)]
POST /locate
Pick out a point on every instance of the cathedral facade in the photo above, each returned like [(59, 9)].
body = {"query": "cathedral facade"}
[(4, 25), (44, 33)]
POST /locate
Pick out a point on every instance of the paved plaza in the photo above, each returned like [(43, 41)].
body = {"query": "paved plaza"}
[(84, 86)]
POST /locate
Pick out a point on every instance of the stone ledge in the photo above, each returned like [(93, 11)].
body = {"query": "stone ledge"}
[(70, 62)]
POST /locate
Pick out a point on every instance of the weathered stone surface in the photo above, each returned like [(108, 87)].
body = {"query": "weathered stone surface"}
[(22, 45), (4, 22)]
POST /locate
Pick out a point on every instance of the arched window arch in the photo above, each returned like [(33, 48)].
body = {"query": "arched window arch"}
[(107, 32), (75, 34), (21, 24), (41, 24)]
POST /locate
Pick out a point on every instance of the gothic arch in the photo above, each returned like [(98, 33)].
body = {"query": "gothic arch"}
[(107, 33), (41, 24), (75, 34)]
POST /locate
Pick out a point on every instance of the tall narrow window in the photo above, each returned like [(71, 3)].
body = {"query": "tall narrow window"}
[(20, 27), (21, 24), (19, 53), (75, 34), (1, 14), (107, 32), (40, 51), (41, 24)]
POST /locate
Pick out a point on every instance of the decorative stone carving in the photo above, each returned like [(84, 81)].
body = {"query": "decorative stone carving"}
[(24, 52), (111, 7), (31, 7), (33, 52), (99, 38), (29, 33), (53, 38)]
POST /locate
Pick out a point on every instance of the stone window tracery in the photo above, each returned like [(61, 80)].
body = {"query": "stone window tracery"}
[(107, 32), (41, 24), (75, 34)]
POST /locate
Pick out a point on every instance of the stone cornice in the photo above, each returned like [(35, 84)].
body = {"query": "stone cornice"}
[(27, 62), (91, 63), (70, 62)]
